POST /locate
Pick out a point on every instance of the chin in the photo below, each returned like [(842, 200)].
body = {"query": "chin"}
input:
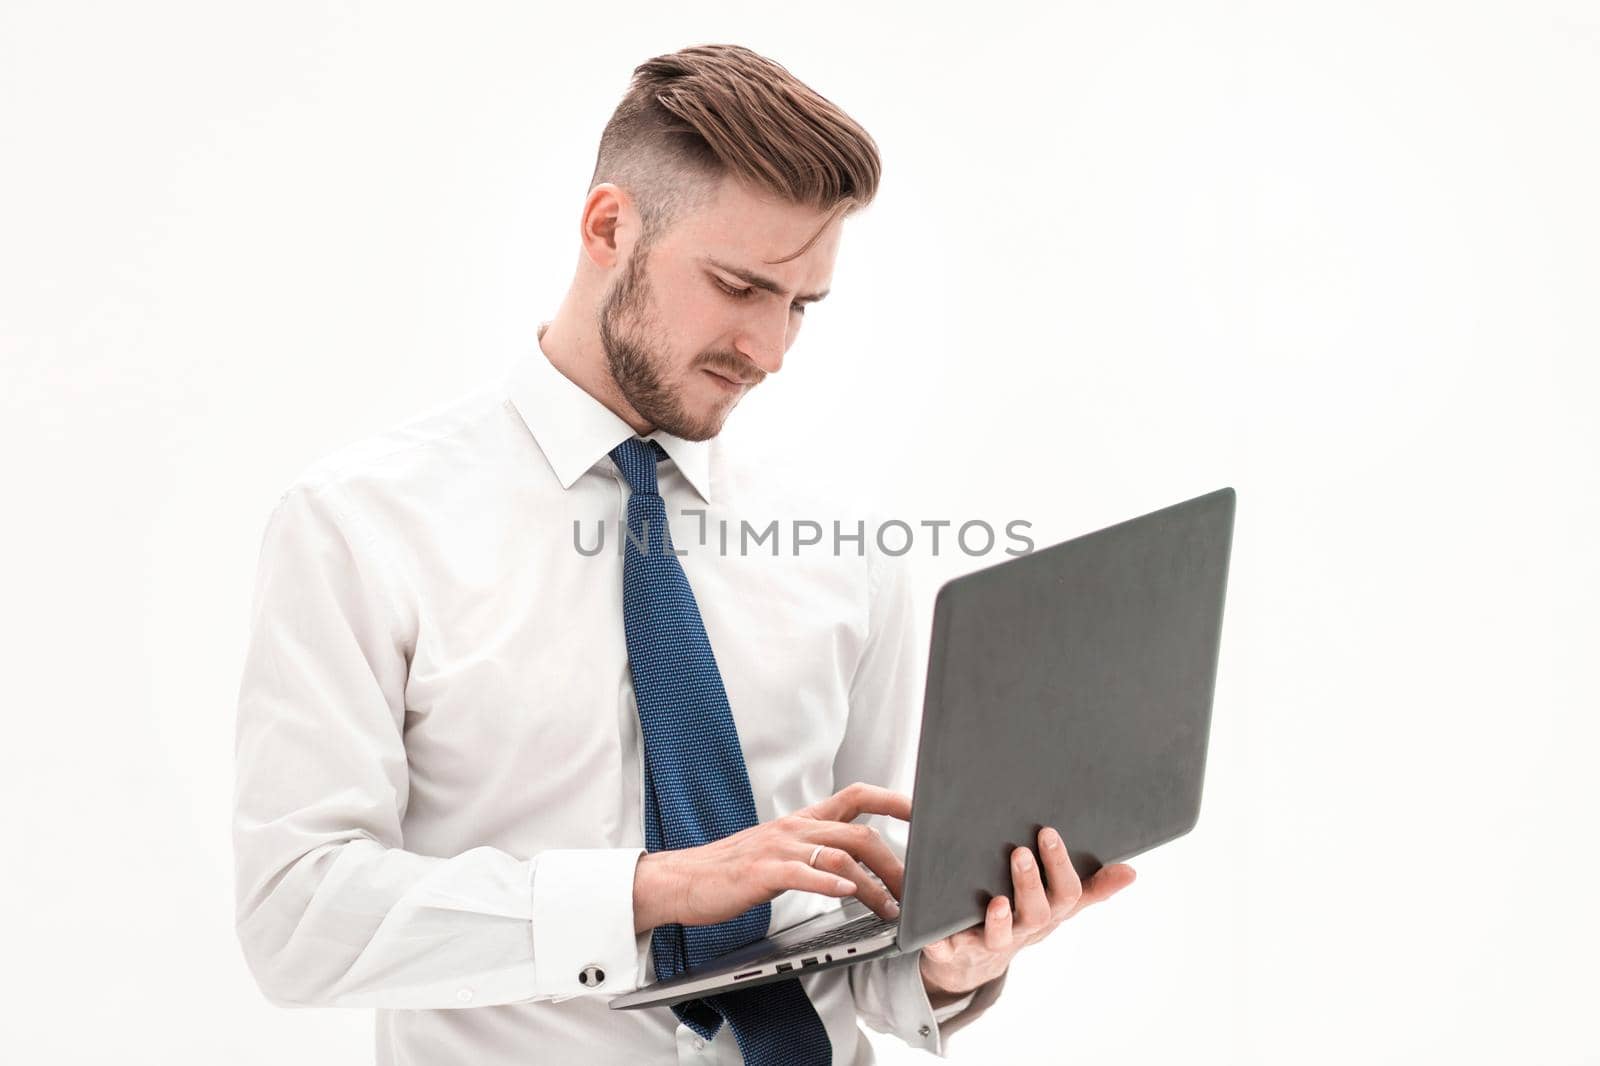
[(701, 431), (704, 428)]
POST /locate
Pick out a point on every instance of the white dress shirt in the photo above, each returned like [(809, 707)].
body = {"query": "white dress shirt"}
[(437, 808)]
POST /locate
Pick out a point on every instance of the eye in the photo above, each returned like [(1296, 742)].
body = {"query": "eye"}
[(744, 294)]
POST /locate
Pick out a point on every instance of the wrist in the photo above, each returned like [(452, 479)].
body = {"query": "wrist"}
[(649, 894), (643, 898), (939, 995)]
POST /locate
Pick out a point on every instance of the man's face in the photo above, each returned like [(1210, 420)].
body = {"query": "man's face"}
[(688, 328)]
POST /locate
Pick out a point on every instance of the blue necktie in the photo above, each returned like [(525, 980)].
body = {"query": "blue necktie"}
[(696, 788)]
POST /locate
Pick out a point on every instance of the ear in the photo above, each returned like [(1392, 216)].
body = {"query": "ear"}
[(608, 226)]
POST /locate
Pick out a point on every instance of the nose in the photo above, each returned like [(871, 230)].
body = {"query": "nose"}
[(764, 342)]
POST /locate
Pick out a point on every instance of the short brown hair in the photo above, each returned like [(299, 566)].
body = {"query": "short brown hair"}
[(693, 116)]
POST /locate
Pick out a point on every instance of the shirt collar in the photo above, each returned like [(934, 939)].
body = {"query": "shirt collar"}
[(574, 430)]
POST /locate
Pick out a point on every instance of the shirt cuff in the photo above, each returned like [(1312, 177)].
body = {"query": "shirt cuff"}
[(924, 1027), (915, 1020), (583, 938), (950, 1010)]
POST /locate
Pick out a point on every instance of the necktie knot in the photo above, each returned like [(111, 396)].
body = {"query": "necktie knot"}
[(637, 460)]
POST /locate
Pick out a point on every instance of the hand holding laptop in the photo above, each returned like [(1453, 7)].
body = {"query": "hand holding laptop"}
[(955, 965), (721, 880)]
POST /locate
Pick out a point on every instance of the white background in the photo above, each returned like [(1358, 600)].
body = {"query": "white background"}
[(1341, 257)]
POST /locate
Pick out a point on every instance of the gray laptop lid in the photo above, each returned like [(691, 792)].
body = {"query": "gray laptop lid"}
[(1069, 687)]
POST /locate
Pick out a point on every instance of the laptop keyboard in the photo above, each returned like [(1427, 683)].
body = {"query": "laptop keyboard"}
[(856, 929)]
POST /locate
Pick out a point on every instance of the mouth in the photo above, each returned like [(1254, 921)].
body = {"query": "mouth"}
[(728, 383)]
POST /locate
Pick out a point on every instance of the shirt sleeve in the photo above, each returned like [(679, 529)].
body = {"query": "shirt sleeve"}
[(955, 1007), (330, 909), (879, 747)]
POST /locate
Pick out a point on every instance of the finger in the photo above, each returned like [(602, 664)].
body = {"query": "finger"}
[(997, 925), (1062, 884), (852, 801), (1107, 882), (795, 874), (1033, 906), (865, 887), (863, 844)]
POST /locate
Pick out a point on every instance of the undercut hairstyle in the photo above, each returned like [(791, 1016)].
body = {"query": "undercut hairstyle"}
[(694, 116)]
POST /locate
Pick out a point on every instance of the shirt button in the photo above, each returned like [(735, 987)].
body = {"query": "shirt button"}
[(464, 994), (699, 1045), (591, 976), (923, 1030)]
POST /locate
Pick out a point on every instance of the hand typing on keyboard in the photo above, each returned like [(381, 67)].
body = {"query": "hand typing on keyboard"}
[(723, 879)]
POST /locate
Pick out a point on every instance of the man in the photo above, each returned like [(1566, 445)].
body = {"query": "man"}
[(488, 776)]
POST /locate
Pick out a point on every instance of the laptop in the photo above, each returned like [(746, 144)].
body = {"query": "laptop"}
[(1069, 687)]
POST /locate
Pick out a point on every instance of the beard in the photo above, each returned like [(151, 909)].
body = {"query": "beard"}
[(639, 373)]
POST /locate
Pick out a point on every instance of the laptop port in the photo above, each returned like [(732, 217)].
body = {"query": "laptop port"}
[(747, 973), (812, 961), (785, 967)]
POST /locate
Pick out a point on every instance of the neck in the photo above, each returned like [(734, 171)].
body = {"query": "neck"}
[(581, 359)]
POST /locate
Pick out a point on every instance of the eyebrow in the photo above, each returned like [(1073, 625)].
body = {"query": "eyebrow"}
[(766, 284)]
